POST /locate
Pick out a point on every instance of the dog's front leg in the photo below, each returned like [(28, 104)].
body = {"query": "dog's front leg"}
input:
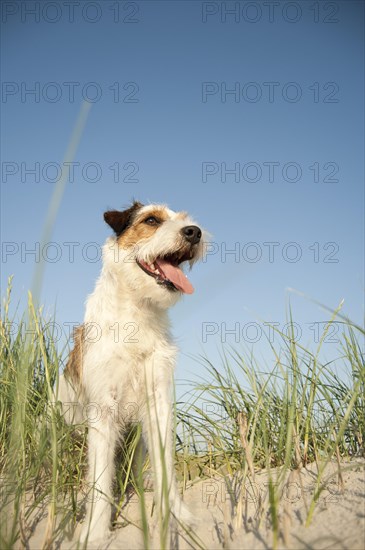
[(102, 438), (158, 431)]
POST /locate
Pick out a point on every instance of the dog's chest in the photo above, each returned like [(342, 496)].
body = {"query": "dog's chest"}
[(128, 344)]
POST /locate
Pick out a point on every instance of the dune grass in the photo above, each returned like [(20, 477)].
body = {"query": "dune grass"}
[(240, 418), (237, 419)]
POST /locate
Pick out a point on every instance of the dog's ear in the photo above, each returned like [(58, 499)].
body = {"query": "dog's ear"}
[(119, 221)]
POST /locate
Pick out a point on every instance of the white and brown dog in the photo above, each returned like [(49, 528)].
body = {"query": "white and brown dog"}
[(123, 353)]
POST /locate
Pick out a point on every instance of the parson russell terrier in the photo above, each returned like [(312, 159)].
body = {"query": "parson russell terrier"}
[(123, 357)]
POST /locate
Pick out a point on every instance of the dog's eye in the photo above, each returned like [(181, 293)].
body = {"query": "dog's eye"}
[(152, 220)]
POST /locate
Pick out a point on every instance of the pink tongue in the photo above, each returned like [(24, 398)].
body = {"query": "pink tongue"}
[(176, 276)]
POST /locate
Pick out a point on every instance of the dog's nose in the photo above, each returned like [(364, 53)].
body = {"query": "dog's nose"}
[(192, 233)]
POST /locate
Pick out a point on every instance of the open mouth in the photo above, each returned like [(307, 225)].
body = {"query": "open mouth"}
[(166, 272)]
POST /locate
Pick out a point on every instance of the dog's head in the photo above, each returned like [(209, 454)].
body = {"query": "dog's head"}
[(151, 246)]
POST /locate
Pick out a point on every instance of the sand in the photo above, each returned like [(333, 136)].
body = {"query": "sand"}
[(229, 517)]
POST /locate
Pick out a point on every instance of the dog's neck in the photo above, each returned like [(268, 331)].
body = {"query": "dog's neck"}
[(112, 297)]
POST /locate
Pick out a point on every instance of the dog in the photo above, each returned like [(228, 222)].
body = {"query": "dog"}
[(124, 355)]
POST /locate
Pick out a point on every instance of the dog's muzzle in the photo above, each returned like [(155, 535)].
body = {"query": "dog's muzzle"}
[(166, 270)]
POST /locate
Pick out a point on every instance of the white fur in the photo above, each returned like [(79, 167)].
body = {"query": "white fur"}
[(127, 367)]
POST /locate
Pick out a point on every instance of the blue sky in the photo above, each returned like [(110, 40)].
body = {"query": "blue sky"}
[(181, 94)]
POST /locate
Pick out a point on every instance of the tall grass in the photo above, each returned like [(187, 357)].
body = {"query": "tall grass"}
[(292, 410), (239, 418), (42, 462)]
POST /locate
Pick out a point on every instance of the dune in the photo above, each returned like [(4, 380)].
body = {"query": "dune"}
[(233, 514)]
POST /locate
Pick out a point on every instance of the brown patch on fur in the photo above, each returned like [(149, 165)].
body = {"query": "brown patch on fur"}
[(159, 212), (73, 370), (136, 234), (139, 230), (120, 221)]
